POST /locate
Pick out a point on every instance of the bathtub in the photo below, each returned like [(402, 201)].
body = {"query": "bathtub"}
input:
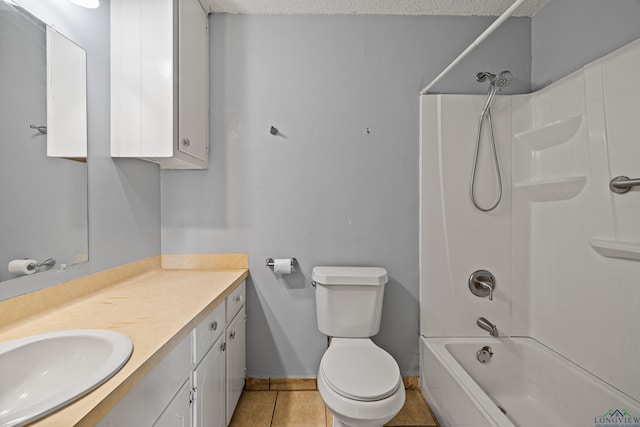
[(524, 384)]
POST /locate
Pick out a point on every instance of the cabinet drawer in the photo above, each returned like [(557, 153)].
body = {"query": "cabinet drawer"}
[(206, 333), (235, 301)]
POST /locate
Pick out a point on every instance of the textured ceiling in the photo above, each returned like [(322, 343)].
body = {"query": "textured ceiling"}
[(373, 7)]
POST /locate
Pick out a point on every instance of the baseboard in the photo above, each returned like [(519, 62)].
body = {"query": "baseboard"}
[(289, 384)]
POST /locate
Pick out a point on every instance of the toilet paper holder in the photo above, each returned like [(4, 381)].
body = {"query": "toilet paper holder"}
[(269, 262), (49, 262), (28, 266)]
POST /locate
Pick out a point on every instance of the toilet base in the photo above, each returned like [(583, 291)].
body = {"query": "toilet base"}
[(350, 413), (337, 423)]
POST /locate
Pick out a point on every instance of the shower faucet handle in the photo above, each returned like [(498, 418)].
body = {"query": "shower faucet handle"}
[(488, 286), (482, 283)]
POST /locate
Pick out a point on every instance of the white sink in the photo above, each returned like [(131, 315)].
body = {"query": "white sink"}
[(41, 373)]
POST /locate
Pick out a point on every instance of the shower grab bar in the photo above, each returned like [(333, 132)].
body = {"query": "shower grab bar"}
[(622, 184)]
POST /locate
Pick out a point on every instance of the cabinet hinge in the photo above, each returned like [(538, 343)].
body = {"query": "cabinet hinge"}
[(193, 395)]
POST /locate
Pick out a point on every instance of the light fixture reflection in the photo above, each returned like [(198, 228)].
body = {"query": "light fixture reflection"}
[(90, 4)]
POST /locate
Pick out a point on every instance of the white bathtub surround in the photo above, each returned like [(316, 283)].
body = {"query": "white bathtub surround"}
[(534, 385), (456, 238), (564, 248)]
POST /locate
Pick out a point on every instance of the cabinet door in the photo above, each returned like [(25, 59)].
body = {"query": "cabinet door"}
[(66, 97), (150, 398), (193, 89), (208, 380), (236, 361), (178, 413)]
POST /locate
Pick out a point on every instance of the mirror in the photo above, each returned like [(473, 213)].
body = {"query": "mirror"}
[(43, 145)]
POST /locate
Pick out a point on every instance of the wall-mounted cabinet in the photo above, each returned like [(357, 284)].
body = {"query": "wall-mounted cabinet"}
[(159, 82)]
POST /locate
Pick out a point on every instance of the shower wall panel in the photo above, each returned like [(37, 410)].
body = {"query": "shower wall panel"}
[(572, 237), (457, 239)]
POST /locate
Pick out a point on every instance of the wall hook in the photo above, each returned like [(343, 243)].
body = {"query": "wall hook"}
[(41, 129)]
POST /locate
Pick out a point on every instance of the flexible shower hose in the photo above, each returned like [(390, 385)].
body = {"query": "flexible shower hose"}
[(475, 164)]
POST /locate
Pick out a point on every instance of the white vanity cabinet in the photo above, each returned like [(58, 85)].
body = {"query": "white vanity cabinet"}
[(199, 383), (219, 376), (149, 402), (159, 82), (178, 413), (208, 384), (236, 361), (208, 376)]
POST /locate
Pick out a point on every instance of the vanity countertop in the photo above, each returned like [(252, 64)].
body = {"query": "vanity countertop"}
[(156, 309)]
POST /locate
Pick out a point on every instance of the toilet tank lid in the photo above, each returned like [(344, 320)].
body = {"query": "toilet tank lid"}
[(349, 275)]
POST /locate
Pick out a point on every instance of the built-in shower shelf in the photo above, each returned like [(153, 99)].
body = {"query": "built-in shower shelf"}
[(616, 248), (553, 189), (551, 134)]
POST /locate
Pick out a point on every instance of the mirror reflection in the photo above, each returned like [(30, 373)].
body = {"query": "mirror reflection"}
[(43, 143)]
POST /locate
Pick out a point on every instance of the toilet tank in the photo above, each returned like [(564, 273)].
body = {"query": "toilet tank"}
[(349, 300)]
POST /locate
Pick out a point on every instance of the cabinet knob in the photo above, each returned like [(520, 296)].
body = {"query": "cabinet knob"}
[(239, 298), (214, 326), (186, 142), (232, 335)]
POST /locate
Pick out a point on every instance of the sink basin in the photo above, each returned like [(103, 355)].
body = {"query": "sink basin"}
[(41, 373)]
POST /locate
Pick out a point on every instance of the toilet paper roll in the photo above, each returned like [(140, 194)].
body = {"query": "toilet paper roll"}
[(23, 266), (282, 265)]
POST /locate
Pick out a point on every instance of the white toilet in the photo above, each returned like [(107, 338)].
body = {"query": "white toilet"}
[(359, 382)]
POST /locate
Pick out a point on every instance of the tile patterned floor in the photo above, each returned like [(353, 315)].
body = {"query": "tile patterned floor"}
[(305, 408)]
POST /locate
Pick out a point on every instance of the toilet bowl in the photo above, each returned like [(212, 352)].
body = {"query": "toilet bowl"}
[(360, 383)]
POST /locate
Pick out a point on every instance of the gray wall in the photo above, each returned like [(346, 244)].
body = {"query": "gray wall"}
[(567, 34), (325, 190), (124, 195)]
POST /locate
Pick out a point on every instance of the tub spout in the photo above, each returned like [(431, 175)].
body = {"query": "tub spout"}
[(487, 326)]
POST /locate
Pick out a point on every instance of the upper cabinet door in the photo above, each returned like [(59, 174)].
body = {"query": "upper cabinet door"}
[(159, 82), (66, 97), (193, 53)]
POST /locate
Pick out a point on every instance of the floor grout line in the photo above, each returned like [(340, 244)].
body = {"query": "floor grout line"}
[(273, 411)]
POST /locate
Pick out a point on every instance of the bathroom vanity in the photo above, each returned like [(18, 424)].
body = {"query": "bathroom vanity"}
[(186, 318), (209, 363)]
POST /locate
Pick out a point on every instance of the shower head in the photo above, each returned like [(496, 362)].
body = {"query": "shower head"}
[(497, 83), (500, 81), (503, 79)]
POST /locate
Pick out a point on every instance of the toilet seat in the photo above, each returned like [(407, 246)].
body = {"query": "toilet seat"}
[(358, 369)]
